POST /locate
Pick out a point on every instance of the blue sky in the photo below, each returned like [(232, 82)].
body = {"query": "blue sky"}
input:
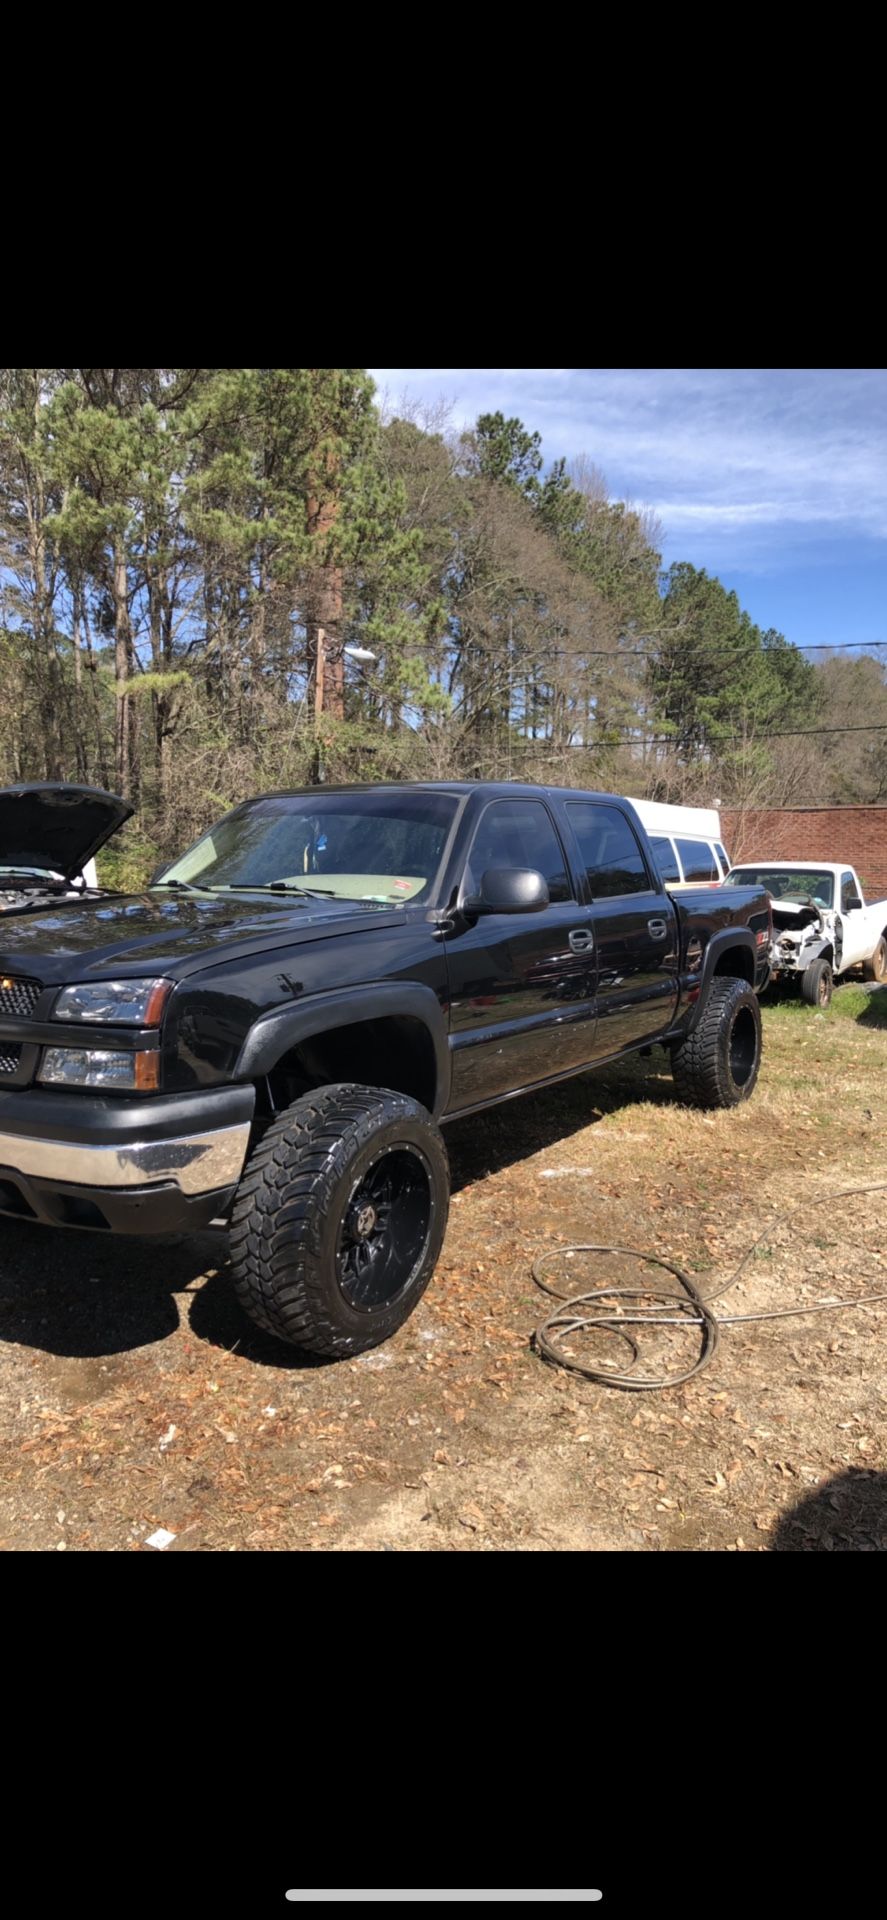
[(774, 479)]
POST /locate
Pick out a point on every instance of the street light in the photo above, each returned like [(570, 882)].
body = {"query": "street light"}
[(322, 655)]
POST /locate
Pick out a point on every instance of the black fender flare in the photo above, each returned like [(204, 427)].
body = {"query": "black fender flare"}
[(720, 942), (275, 1033)]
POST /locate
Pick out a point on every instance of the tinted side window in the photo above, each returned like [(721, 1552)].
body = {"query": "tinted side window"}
[(698, 861), (848, 891), (722, 856), (665, 858), (518, 833), (611, 854)]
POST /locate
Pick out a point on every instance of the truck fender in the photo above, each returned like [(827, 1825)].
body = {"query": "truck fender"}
[(720, 943), (276, 1033)]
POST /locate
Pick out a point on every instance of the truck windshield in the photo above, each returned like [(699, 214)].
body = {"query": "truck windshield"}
[(786, 883), (379, 846)]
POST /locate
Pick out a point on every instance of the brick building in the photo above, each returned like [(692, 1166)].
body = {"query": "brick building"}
[(855, 834)]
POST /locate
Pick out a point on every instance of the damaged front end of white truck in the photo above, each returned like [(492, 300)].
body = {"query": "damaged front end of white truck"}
[(823, 930), (807, 947)]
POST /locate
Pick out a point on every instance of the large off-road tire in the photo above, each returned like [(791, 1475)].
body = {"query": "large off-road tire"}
[(876, 967), (339, 1219), (817, 983), (717, 1065)]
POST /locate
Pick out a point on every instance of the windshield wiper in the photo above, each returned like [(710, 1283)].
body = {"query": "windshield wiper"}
[(184, 885), (266, 886)]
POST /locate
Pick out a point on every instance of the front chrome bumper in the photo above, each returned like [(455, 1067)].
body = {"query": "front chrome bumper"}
[(197, 1163)]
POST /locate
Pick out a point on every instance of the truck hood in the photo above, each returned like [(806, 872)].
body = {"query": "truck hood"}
[(795, 914), (172, 933), (55, 827)]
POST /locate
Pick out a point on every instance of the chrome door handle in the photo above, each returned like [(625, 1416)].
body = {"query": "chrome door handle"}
[(658, 928), (581, 939)]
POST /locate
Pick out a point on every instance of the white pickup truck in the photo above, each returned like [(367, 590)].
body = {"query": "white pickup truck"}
[(822, 927)]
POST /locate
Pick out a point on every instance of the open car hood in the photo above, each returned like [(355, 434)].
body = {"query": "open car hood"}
[(56, 827), (798, 914), (792, 909)]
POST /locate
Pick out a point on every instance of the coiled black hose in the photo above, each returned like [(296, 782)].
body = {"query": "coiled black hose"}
[(690, 1308)]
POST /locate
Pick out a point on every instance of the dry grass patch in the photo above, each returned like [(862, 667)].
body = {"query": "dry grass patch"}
[(133, 1395)]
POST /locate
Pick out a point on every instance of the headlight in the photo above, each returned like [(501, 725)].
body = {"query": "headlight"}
[(100, 1067), (126, 1003)]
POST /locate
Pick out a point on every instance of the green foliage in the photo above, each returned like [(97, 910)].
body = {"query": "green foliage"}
[(717, 681), (151, 683), (507, 454), (174, 540), (128, 861)]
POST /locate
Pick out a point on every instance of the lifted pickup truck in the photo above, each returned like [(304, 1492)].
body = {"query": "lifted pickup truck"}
[(822, 928), (272, 1033)]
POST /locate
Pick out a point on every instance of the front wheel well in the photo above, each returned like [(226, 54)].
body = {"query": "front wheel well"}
[(395, 1051)]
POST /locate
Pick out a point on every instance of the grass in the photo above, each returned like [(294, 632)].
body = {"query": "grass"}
[(852, 1001)]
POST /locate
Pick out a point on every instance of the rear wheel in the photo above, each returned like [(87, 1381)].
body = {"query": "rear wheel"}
[(717, 1065), (339, 1219), (876, 967), (817, 984)]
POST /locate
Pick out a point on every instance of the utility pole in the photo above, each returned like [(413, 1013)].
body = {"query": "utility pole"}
[(319, 665)]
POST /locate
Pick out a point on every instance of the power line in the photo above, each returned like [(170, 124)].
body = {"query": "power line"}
[(670, 739), (797, 646), (701, 646), (673, 739)]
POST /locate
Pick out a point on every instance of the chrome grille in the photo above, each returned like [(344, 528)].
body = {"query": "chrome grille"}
[(10, 1058), (18, 996)]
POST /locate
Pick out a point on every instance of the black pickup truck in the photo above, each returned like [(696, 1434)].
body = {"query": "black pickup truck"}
[(272, 1034)]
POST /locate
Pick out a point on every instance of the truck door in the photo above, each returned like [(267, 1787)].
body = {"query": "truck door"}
[(857, 936), (635, 929), (521, 984)]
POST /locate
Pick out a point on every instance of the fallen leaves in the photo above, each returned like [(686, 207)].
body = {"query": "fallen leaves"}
[(455, 1410)]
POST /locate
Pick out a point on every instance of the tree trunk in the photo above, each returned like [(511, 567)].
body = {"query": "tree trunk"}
[(92, 666), (326, 605), (79, 728), (51, 703), (122, 654)]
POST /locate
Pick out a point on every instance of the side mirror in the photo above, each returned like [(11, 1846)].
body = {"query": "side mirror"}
[(852, 902), (510, 890)]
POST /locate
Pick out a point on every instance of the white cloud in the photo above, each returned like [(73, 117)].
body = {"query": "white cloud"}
[(743, 459)]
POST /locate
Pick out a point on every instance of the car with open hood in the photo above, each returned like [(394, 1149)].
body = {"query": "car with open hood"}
[(823, 928), (50, 833)]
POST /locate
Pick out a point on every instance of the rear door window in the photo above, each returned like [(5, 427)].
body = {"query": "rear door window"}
[(722, 856), (666, 858), (698, 861), (611, 855)]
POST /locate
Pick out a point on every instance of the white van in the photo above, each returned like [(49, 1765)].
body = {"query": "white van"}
[(686, 841)]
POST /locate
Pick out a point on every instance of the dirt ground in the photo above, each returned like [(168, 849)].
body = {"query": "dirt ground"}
[(135, 1396)]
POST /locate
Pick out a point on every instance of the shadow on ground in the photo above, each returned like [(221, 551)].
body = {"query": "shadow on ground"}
[(874, 1014), (844, 1515), (89, 1295), (502, 1136), (82, 1294)]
